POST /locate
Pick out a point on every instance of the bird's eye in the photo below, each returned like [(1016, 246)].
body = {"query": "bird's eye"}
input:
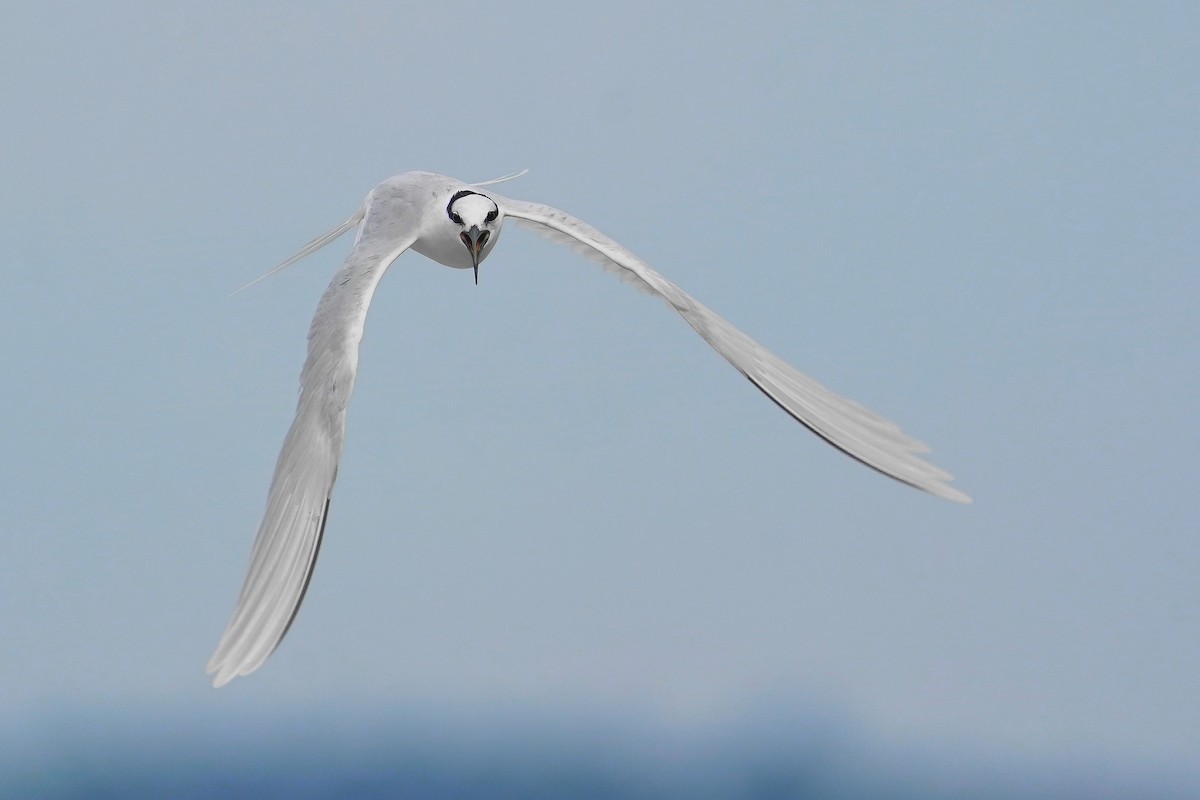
[(455, 218), (491, 217)]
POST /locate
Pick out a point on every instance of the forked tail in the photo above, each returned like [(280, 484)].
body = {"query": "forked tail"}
[(310, 248)]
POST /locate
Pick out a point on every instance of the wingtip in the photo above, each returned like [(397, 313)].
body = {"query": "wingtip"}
[(221, 674), (955, 495)]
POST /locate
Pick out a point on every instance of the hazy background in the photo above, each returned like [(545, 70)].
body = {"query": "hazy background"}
[(563, 528)]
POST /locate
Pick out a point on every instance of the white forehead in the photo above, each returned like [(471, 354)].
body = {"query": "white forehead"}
[(473, 207)]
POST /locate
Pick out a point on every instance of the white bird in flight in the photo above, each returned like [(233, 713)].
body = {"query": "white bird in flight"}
[(456, 224)]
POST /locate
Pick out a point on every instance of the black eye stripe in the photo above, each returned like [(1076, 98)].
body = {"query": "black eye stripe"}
[(491, 217)]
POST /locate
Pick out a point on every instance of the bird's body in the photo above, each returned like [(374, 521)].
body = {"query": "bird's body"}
[(457, 224)]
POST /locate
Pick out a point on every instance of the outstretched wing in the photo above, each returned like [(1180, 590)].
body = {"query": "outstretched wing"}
[(861, 434), (289, 537)]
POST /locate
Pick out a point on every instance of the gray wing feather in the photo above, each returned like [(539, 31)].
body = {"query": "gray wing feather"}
[(861, 434), (289, 538)]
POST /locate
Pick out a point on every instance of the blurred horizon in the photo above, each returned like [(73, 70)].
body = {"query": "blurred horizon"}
[(424, 752)]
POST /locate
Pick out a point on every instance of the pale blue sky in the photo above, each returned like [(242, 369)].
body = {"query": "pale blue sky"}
[(979, 221)]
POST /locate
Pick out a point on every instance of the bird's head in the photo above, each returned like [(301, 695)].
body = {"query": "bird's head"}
[(479, 219)]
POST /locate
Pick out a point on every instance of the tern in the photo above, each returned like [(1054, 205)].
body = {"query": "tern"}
[(458, 224)]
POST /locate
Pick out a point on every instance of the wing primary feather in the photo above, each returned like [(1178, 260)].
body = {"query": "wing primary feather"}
[(312, 564)]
